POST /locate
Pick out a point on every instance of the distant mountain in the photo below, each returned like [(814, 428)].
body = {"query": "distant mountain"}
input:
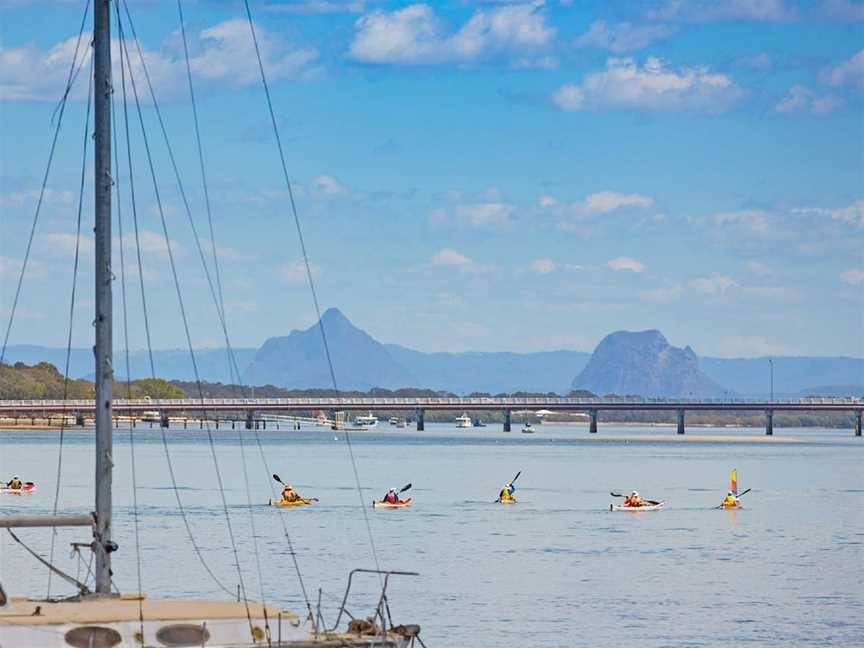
[(624, 363), (792, 375), (171, 364), (298, 361), (495, 373), (645, 364)]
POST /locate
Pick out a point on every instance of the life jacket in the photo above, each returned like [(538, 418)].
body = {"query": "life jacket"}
[(505, 495), (290, 495), (633, 501), (391, 498), (730, 501), (15, 484)]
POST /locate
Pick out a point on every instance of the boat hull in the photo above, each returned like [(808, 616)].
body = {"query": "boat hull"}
[(390, 505), (636, 509), (222, 624)]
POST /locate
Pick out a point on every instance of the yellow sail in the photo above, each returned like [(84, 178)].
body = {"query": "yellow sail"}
[(733, 482)]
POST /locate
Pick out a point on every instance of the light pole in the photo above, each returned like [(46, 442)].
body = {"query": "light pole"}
[(771, 365)]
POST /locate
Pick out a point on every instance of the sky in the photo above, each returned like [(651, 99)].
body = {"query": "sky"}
[(486, 176)]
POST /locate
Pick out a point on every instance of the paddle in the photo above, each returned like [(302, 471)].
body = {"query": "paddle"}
[(740, 495), (306, 499), (512, 481), (650, 502), (405, 488)]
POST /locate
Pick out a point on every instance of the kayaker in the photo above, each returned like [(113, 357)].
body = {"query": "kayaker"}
[(392, 496), (506, 493), (289, 494), (634, 499), (15, 483), (730, 501)]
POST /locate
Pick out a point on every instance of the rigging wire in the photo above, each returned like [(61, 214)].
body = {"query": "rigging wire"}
[(182, 306), (135, 514), (75, 264), (61, 109), (126, 66), (309, 276), (217, 299)]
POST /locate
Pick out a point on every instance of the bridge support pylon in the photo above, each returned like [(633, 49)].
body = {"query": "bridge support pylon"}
[(858, 423), (769, 422), (421, 419), (680, 421), (508, 420), (79, 419), (250, 419), (164, 421), (592, 425)]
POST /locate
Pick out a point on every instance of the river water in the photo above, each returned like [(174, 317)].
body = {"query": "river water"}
[(557, 569)]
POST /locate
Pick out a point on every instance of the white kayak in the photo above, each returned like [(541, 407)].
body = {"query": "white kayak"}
[(636, 509)]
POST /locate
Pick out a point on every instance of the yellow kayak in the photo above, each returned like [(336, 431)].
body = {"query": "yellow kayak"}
[(294, 504), (392, 505), (512, 500)]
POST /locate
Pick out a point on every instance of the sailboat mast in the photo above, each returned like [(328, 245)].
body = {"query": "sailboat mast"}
[(103, 347)]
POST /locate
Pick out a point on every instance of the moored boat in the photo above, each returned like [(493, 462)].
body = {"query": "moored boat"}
[(653, 506), (463, 421), (392, 505)]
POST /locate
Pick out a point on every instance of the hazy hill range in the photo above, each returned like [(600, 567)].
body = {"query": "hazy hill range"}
[(297, 361), (645, 364), (623, 363)]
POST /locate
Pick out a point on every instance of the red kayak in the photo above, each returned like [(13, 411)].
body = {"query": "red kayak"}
[(26, 489)]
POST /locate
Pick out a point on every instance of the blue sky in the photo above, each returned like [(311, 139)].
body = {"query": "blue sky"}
[(473, 175)]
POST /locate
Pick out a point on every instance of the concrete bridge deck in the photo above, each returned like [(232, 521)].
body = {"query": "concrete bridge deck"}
[(562, 404)]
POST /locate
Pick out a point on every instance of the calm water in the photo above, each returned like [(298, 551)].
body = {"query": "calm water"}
[(558, 569)]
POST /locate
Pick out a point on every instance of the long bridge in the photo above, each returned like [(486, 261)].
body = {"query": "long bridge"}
[(589, 406)]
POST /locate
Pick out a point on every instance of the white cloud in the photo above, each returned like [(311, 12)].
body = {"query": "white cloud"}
[(626, 263), (415, 35), (152, 243), (852, 214), (801, 99), (761, 61), (604, 202), (328, 186), (486, 214), (724, 10), (759, 269), (662, 295), (294, 273), (221, 55), (624, 36), (739, 346), (547, 201), (449, 257), (66, 243), (317, 7), (843, 10), (853, 277), (754, 220), (543, 266), (849, 73), (713, 284), (652, 86), (30, 197)]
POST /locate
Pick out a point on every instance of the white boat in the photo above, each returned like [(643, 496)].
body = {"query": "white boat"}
[(98, 616), (366, 421), (637, 509), (393, 420), (527, 428), (150, 416), (463, 421)]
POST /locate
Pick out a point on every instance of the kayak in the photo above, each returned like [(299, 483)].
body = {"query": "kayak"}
[(28, 488), (391, 505), (733, 507), (636, 509), (294, 504), (512, 500)]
